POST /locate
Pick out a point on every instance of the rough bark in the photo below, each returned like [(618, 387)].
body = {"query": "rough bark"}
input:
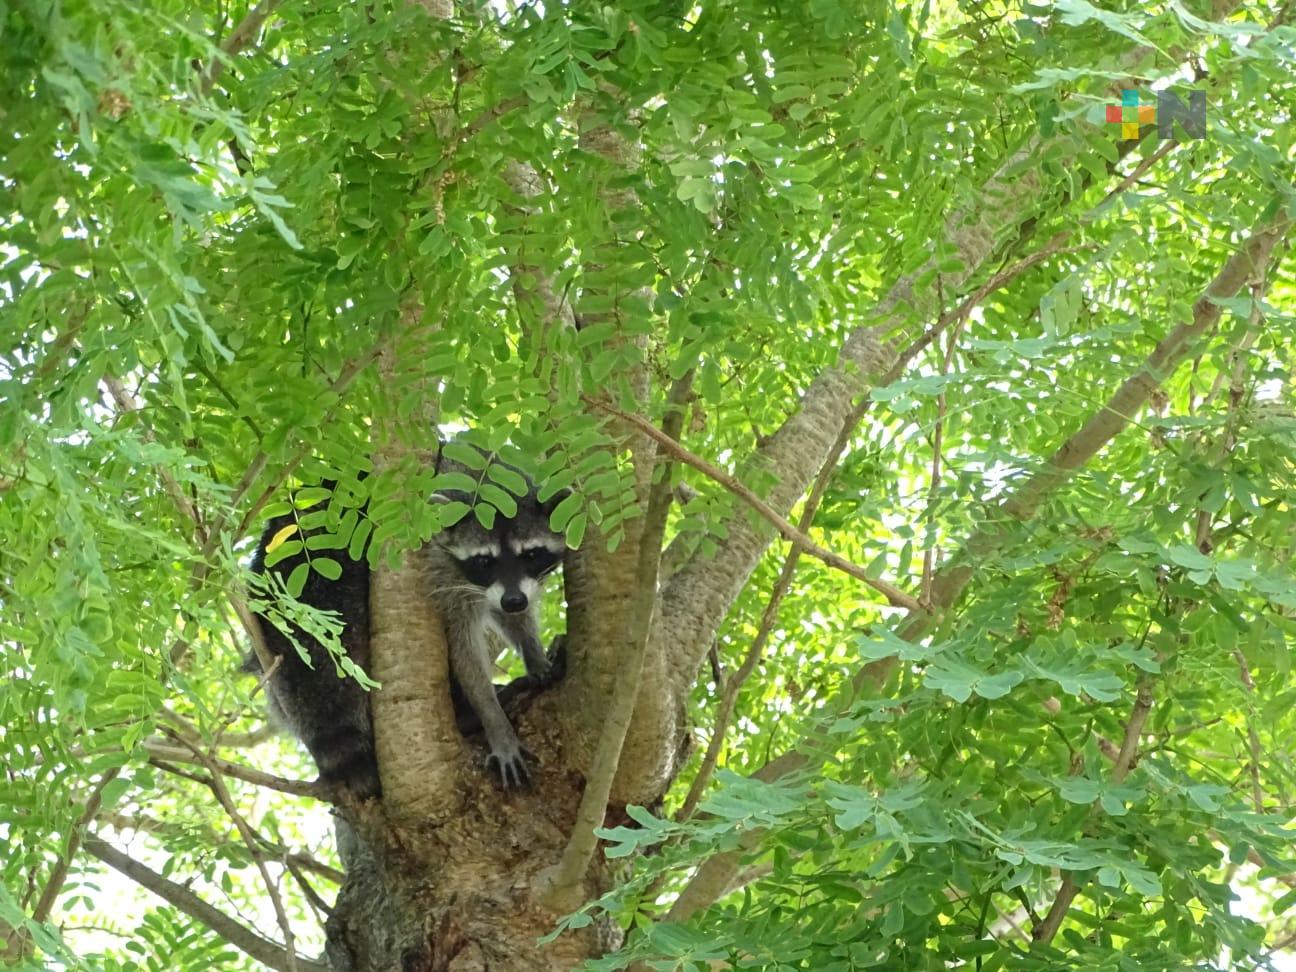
[(601, 583), (700, 593), (443, 874), (460, 895), (414, 732)]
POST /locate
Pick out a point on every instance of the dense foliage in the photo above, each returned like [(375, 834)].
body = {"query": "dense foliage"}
[(213, 222)]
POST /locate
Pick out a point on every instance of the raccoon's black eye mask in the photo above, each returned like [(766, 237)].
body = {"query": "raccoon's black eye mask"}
[(541, 560), (477, 569)]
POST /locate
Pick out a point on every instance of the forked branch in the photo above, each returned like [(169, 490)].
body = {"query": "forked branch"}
[(266, 952), (162, 751), (253, 842), (1049, 925), (562, 886), (17, 941), (1252, 261), (796, 537)]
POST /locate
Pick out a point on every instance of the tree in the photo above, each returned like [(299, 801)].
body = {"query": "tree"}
[(929, 434)]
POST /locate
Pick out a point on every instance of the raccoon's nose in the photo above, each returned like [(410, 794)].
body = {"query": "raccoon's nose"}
[(513, 602)]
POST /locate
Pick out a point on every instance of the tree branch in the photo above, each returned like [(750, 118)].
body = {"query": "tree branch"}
[(151, 825), (266, 952), (17, 940), (208, 536), (350, 371), (700, 593), (784, 583), (561, 888), (239, 38), (253, 842), (322, 907), (127, 404), (176, 754), (1049, 925), (796, 537), (1252, 259), (601, 581), (415, 739)]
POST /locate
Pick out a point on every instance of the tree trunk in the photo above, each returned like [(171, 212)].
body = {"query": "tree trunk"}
[(458, 896)]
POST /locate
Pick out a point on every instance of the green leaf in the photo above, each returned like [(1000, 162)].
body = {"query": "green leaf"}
[(1189, 557), (564, 512), (296, 582), (510, 479), (575, 530), (958, 679), (326, 567)]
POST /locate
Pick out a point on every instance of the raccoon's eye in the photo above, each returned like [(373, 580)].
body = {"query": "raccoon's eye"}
[(540, 558), (480, 562)]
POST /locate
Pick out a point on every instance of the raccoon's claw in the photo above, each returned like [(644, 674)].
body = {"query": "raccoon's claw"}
[(543, 675), (512, 766), (557, 659)]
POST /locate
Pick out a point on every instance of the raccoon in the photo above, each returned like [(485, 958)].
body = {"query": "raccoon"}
[(486, 585), (327, 712)]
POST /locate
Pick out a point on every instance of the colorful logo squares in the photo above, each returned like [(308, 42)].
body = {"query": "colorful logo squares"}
[(1129, 114)]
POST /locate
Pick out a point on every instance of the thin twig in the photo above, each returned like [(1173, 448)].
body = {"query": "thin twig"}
[(938, 443), (322, 908), (1236, 375), (769, 617), (308, 863), (1124, 762), (266, 952), (1253, 737), (892, 593), (239, 38), (160, 750), (127, 404), (1252, 257), (208, 536), (245, 740), (810, 509), (1111, 751), (151, 825), (66, 339), (1135, 175), (18, 941), (220, 738), (350, 371), (253, 842)]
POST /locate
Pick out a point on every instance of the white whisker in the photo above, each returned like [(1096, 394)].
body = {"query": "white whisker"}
[(451, 588)]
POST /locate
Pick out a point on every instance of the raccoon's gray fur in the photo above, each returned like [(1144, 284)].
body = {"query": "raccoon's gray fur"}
[(488, 583), (485, 583)]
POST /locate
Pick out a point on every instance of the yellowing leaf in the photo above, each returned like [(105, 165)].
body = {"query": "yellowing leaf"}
[(280, 536)]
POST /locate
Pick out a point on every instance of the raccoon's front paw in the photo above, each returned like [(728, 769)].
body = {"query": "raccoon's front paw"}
[(542, 674), (557, 661), (511, 762)]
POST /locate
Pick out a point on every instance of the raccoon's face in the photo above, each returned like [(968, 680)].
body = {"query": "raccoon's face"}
[(509, 561)]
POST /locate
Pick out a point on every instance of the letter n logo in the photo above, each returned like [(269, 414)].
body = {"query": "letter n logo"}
[(1191, 117)]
